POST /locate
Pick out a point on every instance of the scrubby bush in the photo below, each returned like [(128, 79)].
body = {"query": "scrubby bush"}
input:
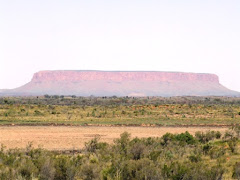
[(47, 171), (232, 144), (92, 145), (172, 157), (207, 136), (236, 170)]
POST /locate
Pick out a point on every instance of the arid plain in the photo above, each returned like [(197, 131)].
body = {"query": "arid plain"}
[(74, 138)]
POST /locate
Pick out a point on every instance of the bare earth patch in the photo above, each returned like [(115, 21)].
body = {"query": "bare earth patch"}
[(70, 138)]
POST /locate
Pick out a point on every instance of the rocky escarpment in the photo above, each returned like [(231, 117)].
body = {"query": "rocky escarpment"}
[(117, 76), (123, 83)]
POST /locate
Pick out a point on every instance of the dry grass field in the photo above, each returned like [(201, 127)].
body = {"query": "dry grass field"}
[(74, 137)]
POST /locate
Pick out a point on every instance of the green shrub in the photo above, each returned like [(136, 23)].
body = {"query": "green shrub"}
[(185, 138)]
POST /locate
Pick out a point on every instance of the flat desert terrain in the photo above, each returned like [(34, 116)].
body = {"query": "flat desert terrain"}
[(74, 137)]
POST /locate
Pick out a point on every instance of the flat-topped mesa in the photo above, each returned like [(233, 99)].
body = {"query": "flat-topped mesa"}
[(123, 83), (119, 76)]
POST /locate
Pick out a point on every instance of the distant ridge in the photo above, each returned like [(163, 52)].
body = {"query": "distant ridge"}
[(122, 83)]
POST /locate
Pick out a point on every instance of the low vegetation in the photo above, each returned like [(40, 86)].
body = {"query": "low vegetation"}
[(117, 111), (209, 155)]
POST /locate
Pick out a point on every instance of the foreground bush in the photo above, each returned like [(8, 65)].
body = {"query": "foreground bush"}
[(173, 156)]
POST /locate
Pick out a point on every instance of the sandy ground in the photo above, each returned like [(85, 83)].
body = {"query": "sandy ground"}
[(70, 138)]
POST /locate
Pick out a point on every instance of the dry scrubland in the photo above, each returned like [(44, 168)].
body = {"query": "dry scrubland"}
[(211, 155), (191, 138), (118, 111)]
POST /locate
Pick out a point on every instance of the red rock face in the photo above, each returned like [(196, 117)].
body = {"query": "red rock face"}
[(73, 76), (120, 83)]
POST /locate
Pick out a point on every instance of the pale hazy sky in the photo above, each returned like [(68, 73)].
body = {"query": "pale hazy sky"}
[(190, 36)]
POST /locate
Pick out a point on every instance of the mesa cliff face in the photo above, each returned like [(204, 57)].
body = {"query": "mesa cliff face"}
[(73, 76), (123, 83)]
